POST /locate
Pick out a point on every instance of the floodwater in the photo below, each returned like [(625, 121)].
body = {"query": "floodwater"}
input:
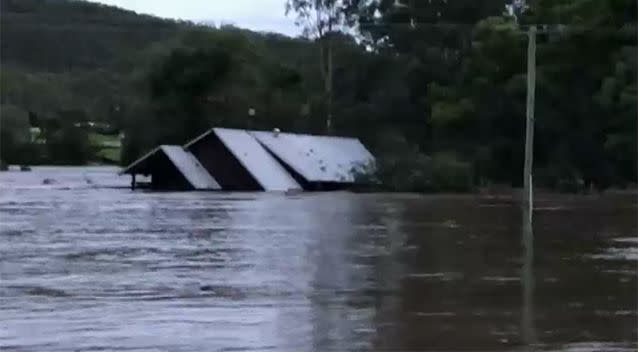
[(87, 266)]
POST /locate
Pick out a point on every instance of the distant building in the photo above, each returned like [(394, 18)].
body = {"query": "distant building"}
[(243, 160)]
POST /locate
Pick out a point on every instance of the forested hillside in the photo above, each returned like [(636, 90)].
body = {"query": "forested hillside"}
[(58, 36), (435, 88), (65, 62)]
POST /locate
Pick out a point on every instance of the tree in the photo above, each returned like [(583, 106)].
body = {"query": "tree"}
[(213, 78), (585, 129), (182, 86), (14, 134), (322, 20), (68, 145)]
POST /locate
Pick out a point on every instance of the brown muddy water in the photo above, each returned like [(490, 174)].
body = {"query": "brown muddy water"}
[(89, 267)]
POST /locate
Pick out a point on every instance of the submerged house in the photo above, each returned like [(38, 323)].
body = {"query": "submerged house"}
[(244, 160)]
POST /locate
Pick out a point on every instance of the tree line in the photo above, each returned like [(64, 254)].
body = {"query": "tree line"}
[(435, 88)]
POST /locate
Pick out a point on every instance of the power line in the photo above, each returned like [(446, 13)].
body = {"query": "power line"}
[(540, 28)]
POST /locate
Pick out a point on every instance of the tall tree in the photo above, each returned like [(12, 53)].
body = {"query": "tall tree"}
[(435, 36), (321, 20), (588, 61), (182, 86)]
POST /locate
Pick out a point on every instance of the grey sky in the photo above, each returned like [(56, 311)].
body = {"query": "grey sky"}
[(258, 15)]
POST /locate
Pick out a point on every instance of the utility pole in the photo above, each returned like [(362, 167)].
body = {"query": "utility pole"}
[(528, 333), (528, 202), (329, 86)]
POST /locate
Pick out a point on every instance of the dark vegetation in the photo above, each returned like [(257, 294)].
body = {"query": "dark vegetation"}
[(435, 88)]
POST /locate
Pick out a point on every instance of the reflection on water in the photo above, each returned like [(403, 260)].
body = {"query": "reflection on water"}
[(528, 282), (86, 267)]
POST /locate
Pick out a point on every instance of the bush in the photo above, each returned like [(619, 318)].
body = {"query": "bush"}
[(449, 173), (401, 167), (410, 172), (14, 133), (564, 179), (68, 145)]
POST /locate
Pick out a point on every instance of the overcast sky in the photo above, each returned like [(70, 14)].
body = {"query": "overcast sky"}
[(258, 15)]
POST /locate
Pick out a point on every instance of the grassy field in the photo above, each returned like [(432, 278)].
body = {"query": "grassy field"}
[(102, 140), (108, 146)]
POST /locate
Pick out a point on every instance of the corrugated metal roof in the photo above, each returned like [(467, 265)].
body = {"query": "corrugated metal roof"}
[(264, 167), (185, 162), (190, 167), (199, 138), (317, 158)]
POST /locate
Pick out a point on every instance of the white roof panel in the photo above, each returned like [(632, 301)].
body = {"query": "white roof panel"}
[(264, 167), (190, 167), (317, 158)]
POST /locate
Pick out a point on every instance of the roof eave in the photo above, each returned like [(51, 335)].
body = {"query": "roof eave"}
[(129, 169)]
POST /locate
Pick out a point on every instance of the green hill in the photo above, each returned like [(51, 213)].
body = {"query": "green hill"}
[(65, 35), (65, 62)]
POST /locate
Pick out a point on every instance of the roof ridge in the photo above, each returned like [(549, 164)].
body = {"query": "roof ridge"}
[(145, 156)]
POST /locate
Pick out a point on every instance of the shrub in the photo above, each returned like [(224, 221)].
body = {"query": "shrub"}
[(401, 167), (449, 173)]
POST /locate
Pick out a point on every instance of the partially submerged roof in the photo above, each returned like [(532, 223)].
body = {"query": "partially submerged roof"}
[(269, 173), (318, 158), (140, 165), (276, 161), (190, 167), (184, 162)]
